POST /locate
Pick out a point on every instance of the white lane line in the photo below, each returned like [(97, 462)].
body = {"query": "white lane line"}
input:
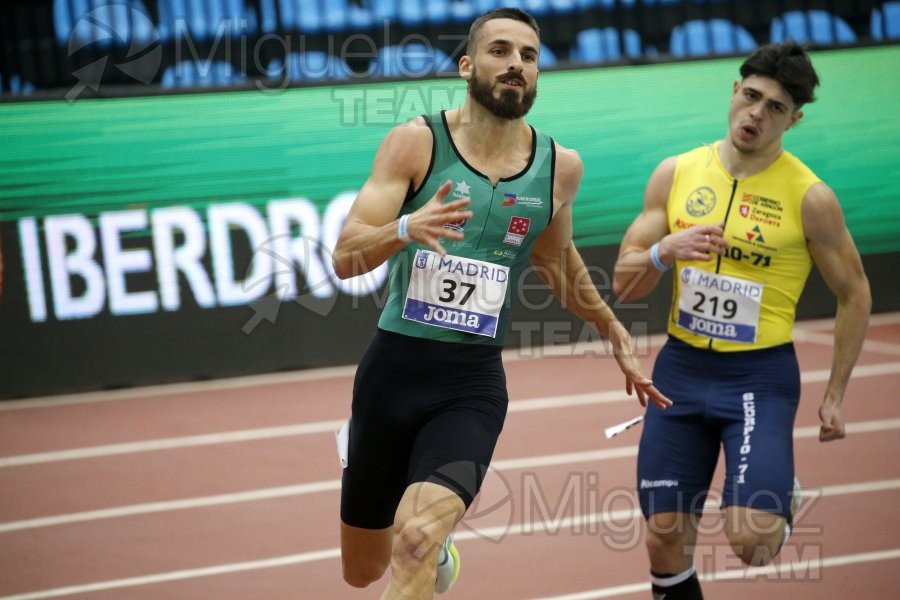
[(827, 339), (549, 525), (168, 505), (876, 320), (280, 561), (550, 402), (335, 484), (816, 376), (891, 318), (172, 443), (780, 569), (187, 387)]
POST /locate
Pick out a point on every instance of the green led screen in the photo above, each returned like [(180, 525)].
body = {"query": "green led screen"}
[(163, 238), (92, 156)]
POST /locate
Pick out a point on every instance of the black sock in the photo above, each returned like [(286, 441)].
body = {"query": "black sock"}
[(680, 586)]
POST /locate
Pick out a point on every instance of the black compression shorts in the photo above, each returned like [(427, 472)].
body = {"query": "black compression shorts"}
[(423, 411)]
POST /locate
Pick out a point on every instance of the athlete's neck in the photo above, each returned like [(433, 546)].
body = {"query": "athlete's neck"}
[(485, 134), (742, 164)]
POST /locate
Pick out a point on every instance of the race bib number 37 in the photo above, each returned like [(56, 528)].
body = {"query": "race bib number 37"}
[(456, 293), (719, 306)]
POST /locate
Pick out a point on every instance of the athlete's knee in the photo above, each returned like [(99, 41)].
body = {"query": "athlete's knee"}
[(365, 554), (670, 529), (670, 540), (667, 548), (755, 536), (415, 545), (755, 548), (360, 574)]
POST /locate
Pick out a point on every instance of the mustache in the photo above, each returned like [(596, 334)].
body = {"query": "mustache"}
[(511, 77)]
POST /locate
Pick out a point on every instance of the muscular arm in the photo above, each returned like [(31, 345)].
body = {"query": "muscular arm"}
[(555, 257), (369, 236), (635, 276), (559, 264), (837, 259)]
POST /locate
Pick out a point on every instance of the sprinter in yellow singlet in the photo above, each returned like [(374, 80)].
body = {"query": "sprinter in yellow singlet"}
[(741, 221)]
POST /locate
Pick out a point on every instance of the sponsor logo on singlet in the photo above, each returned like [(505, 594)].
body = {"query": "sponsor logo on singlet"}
[(760, 209), (462, 190), (516, 200), (700, 202), (517, 230)]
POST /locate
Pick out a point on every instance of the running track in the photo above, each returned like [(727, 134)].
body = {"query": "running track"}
[(229, 489)]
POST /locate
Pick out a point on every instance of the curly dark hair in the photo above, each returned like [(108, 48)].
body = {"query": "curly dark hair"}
[(788, 64)]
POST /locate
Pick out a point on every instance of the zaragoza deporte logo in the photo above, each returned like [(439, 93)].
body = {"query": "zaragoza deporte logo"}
[(118, 35)]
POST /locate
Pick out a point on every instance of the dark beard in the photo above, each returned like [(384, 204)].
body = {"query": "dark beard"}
[(508, 105)]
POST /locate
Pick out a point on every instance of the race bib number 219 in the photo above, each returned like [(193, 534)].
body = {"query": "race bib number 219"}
[(719, 306)]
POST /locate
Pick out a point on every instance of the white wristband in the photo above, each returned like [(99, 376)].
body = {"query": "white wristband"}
[(403, 229), (654, 258)]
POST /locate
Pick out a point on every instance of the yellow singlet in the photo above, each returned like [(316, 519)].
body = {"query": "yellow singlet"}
[(746, 299)]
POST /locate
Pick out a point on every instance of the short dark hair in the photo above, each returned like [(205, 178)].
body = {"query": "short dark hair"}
[(499, 13), (788, 64)]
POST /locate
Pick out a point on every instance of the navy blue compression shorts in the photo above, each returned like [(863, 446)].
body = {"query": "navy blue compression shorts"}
[(744, 402), (423, 411)]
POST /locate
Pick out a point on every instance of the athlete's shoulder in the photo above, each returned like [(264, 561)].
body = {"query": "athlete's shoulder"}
[(792, 161), (414, 131), (568, 161), (409, 143), (704, 153), (568, 170)]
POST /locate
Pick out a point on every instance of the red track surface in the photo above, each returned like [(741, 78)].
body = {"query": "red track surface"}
[(230, 489)]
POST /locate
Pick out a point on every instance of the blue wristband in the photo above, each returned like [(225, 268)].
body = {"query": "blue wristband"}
[(654, 258), (403, 229)]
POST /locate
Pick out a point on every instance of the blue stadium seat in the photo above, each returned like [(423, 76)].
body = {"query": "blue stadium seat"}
[(340, 15), (307, 16), (547, 58), (574, 6), (705, 38), (63, 21), (284, 15), (108, 23), (181, 17), (413, 59), (413, 13), (309, 66), (816, 26), (611, 3), (886, 22), (464, 11), (201, 74), (205, 20), (243, 16), (359, 17), (268, 19), (17, 86), (605, 45), (472, 8), (562, 7), (383, 10), (537, 8)]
